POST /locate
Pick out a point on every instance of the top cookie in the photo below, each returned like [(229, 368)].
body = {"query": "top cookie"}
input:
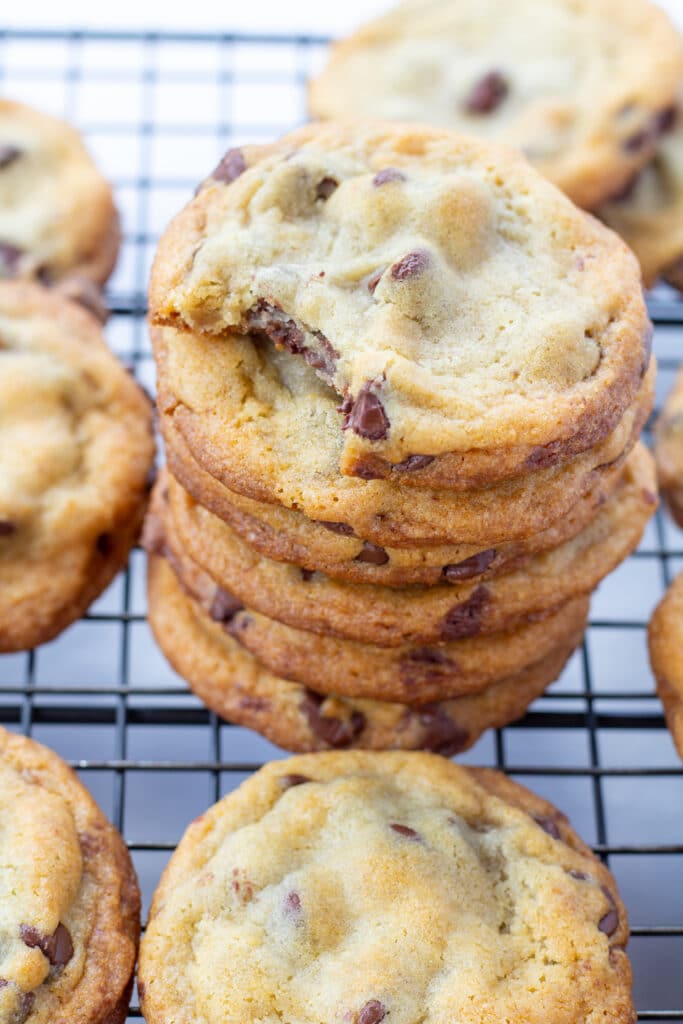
[(458, 304), (57, 214), (70, 905), (358, 888), (583, 87)]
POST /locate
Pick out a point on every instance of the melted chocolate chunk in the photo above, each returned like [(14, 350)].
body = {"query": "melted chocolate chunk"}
[(58, 948), (307, 575), (548, 825), (341, 528), (335, 732), (254, 703), (665, 121), (10, 256), (8, 155), (413, 463), (465, 619), (230, 167), (372, 554), (580, 876), (544, 455), (287, 781), (325, 188), (293, 904), (105, 544), (441, 734), (7, 527), (325, 361), (610, 921), (26, 1001), (224, 606), (469, 567), (487, 94), (426, 665), (411, 265), (276, 325), (404, 830), (386, 175), (374, 280), (366, 415), (372, 1013)]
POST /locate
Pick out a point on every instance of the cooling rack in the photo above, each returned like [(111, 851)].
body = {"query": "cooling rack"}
[(158, 109)]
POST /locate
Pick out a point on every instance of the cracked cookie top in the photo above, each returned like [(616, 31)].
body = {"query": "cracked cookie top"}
[(454, 300), (583, 87), (357, 887), (69, 903), (57, 214)]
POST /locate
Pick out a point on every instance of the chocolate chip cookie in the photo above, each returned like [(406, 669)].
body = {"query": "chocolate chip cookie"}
[(648, 214), (261, 423), (373, 614), (76, 448), (360, 887), (57, 214), (69, 896), (669, 450), (665, 641), (584, 88), (412, 271)]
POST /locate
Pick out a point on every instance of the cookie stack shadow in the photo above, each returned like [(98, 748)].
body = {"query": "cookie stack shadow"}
[(320, 638)]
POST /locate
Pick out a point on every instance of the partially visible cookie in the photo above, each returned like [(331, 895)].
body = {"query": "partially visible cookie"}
[(76, 449), (260, 422), (649, 213), (69, 897), (358, 887), (57, 213), (665, 641), (669, 450), (389, 617), (583, 87), (412, 268)]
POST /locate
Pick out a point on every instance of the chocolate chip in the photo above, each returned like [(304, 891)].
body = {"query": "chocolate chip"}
[(26, 1001), (365, 470), (374, 280), (230, 167), (580, 876), (413, 463), (487, 94), (372, 554), (58, 948), (544, 455), (287, 781), (411, 265), (372, 1013), (224, 606), (307, 574), (386, 175), (341, 528), (105, 544), (426, 665), (440, 733), (366, 415), (610, 922), (465, 619), (404, 830), (548, 825), (7, 527), (8, 155), (254, 704), (276, 325), (469, 567), (665, 120), (325, 188), (10, 256), (87, 294), (325, 360), (336, 732), (293, 904)]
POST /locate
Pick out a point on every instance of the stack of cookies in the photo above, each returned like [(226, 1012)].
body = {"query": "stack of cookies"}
[(401, 384)]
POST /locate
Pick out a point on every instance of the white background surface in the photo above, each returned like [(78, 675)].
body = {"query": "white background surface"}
[(315, 16)]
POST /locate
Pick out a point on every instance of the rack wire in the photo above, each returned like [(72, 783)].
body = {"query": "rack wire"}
[(158, 109)]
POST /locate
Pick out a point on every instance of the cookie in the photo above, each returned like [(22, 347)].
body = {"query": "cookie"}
[(649, 212), (665, 641), (234, 684), (584, 88), (57, 213), (262, 424), (391, 616), (669, 450), (362, 887), (466, 662), (69, 896), (76, 449), (413, 270)]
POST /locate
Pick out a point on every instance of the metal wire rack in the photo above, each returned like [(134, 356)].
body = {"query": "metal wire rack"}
[(158, 109)]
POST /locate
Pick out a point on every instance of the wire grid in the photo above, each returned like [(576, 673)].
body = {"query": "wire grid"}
[(158, 110)]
